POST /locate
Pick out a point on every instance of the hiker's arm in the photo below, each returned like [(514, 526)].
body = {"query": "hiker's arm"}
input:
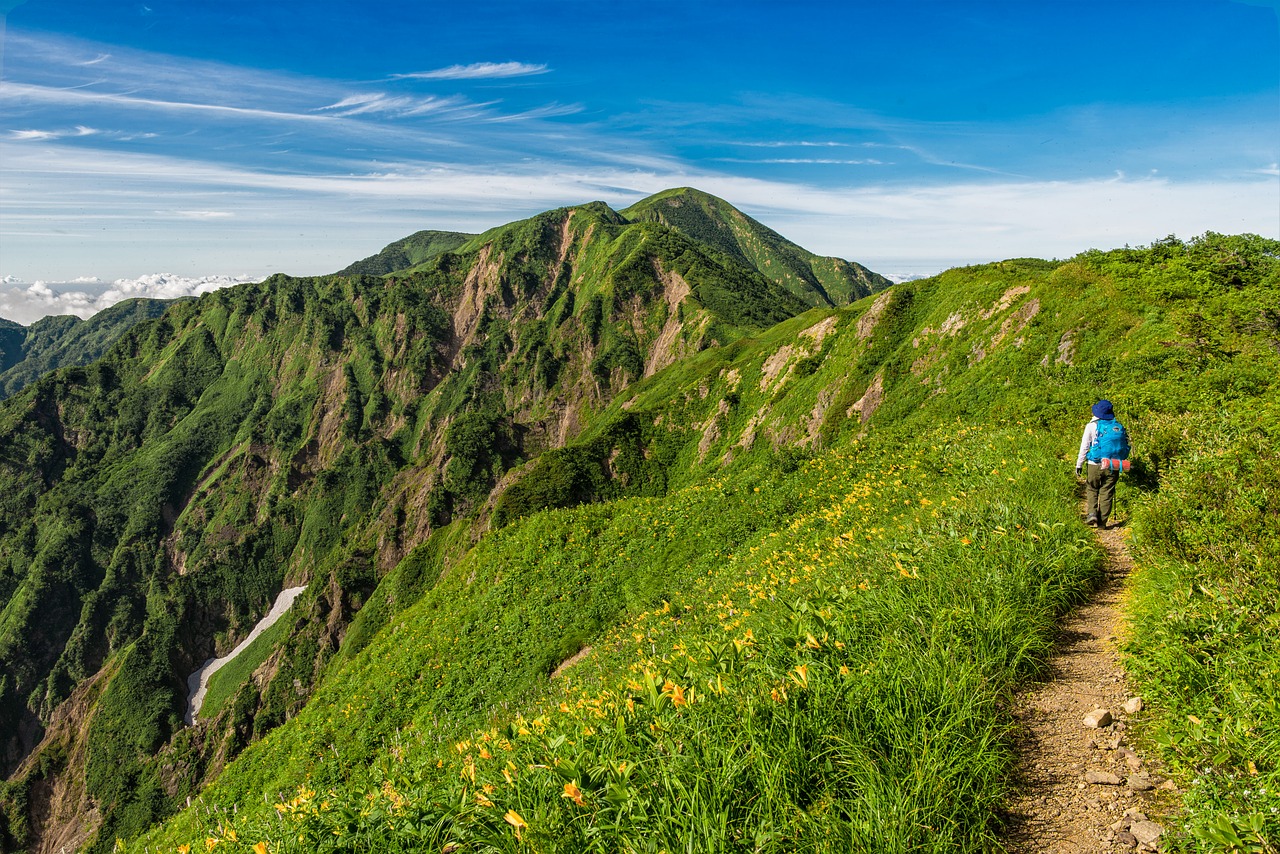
[(1085, 441)]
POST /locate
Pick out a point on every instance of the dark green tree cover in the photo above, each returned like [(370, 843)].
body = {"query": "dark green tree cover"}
[(152, 503), (12, 336), (629, 457), (27, 353)]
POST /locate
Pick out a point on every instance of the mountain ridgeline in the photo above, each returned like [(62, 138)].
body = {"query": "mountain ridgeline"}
[(29, 352), (619, 531), (818, 280), (309, 431)]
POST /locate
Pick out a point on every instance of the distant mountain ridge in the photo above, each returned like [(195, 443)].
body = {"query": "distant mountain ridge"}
[(818, 280), (406, 253), (29, 352), (707, 219)]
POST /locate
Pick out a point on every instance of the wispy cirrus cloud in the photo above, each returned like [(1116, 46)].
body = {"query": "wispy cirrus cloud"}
[(547, 111), (34, 94), (187, 214), (215, 111), (825, 161), (398, 105), (42, 135), (795, 144), (478, 71)]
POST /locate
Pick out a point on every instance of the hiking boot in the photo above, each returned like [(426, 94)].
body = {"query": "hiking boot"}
[(1091, 521)]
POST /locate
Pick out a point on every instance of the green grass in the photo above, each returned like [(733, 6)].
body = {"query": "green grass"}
[(1206, 647), (822, 665), (804, 628), (814, 648)]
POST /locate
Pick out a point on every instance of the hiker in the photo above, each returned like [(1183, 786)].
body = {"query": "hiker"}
[(1105, 448)]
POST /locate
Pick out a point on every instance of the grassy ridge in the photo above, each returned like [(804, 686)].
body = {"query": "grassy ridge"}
[(712, 221), (312, 430), (832, 652), (1206, 647), (864, 611)]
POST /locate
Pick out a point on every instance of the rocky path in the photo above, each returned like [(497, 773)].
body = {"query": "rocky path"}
[(1081, 786)]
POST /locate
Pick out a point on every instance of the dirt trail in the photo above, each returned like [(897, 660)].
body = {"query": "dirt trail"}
[(1081, 788)]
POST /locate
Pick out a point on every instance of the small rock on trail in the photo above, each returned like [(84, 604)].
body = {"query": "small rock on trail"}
[(1097, 718)]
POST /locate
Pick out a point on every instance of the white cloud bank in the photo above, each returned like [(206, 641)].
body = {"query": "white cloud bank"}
[(87, 295)]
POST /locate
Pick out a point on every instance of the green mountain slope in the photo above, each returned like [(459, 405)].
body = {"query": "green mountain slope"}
[(818, 280), (606, 546), (11, 337), (709, 221), (27, 353), (810, 640), (408, 252), (300, 431)]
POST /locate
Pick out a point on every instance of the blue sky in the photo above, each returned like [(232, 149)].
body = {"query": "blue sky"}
[(236, 139)]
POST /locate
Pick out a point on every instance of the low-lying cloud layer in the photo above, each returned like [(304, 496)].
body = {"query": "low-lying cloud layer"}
[(26, 302)]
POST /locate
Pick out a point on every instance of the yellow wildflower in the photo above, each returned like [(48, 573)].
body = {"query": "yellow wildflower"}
[(513, 818), (573, 793)]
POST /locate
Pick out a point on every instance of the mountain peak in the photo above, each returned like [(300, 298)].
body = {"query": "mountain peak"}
[(819, 281)]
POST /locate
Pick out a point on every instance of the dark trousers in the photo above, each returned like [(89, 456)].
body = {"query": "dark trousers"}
[(1099, 492)]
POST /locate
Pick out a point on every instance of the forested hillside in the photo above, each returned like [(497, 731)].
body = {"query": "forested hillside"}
[(29, 352), (608, 546)]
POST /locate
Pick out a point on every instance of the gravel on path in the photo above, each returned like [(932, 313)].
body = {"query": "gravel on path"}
[(1081, 785)]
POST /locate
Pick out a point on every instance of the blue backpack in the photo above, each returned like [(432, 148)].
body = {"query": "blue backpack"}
[(1110, 443)]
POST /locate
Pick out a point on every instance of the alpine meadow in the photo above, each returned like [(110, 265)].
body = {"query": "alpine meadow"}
[(639, 530)]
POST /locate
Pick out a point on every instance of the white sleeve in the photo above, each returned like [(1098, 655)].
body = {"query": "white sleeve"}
[(1090, 431)]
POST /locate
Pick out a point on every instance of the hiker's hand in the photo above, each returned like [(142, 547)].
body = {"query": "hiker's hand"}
[(1077, 471)]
